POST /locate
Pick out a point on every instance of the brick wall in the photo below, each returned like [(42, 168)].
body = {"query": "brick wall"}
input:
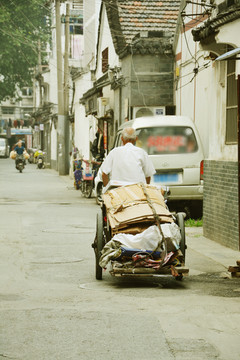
[(220, 202)]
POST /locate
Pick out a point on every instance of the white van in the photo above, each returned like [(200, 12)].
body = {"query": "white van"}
[(4, 147), (175, 148)]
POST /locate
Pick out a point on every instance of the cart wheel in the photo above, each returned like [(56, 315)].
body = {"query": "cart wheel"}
[(179, 277), (180, 221), (99, 245)]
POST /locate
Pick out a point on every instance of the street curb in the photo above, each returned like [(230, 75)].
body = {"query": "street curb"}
[(217, 252)]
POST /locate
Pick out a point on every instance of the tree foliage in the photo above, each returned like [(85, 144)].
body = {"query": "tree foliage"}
[(23, 26)]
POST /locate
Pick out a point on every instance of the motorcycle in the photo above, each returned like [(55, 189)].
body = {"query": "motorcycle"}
[(85, 176), (40, 162), (40, 159), (86, 184), (20, 162)]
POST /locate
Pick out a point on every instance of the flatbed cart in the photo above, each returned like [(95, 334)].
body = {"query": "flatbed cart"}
[(104, 235)]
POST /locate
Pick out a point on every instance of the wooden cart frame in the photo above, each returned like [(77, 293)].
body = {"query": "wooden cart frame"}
[(103, 235)]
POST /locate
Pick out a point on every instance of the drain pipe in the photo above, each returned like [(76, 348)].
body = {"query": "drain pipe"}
[(238, 130)]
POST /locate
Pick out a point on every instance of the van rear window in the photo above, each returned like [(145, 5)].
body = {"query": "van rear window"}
[(167, 140)]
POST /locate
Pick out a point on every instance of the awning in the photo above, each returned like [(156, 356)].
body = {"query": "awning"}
[(228, 54), (27, 131)]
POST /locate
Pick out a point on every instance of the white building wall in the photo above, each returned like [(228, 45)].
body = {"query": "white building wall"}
[(91, 21), (191, 94), (203, 98), (53, 86), (53, 144), (82, 122), (86, 126), (105, 41)]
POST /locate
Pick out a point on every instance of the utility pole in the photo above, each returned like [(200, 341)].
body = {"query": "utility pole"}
[(66, 65), (40, 72), (62, 148), (66, 88)]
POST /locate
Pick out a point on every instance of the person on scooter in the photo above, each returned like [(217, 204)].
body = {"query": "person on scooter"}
[(127, 163), (19, 148)]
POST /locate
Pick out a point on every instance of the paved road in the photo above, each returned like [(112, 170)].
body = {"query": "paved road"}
[(51, 306)]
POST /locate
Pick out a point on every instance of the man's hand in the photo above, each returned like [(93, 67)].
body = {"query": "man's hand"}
[(105, 179)]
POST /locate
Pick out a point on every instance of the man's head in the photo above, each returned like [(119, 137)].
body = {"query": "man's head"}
[(19, 143), (128, 135)]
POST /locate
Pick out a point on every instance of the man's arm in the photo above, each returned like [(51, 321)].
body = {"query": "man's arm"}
[(148, 167), (105, 179)]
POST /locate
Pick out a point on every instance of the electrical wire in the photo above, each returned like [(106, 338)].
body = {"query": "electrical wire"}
[(119, 33), (184, 33), (12, 2), (201, 68), (20, 40)]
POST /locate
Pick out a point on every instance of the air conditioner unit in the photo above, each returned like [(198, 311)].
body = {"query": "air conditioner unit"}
[(140, 111)]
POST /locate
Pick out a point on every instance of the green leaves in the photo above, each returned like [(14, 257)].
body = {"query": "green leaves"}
[(22, 25)]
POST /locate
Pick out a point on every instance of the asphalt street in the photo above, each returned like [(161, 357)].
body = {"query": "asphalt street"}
[(52, 308)]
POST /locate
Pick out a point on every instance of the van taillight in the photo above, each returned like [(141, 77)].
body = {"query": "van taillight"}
[(201, 169)]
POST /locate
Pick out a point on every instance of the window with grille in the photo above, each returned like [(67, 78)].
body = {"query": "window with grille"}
[(27, 91), (76, 25), (231, 107), (8, 110), (105, 60)]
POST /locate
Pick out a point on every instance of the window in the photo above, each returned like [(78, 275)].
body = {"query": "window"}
[(105, 60), (27, 92), (165, 140), (8, 110), (75, 28), (231, 107), (76, 22)]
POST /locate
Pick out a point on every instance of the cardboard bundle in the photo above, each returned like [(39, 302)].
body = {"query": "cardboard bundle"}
[(128, 209)]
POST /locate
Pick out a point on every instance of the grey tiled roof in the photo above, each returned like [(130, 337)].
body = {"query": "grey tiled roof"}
[(212, 25), (127, 18)]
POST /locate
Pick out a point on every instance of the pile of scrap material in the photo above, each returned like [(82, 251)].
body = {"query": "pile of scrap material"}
[(235, 270), (128, 210)]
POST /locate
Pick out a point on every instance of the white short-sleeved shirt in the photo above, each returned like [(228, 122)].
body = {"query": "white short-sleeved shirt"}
[(128, 163)]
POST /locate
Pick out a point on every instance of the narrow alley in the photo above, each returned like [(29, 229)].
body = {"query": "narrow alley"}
[(52, 307)]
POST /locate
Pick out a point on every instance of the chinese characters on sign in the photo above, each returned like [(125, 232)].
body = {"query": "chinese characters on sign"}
[(166, 143)]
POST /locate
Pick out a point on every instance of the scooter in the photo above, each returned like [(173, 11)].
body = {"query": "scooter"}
[(86, 184), (40, 161), (20, 162), (39, 154)]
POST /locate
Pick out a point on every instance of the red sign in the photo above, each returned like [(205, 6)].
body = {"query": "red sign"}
[(29, 141), (105, 135), (166, 143)]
